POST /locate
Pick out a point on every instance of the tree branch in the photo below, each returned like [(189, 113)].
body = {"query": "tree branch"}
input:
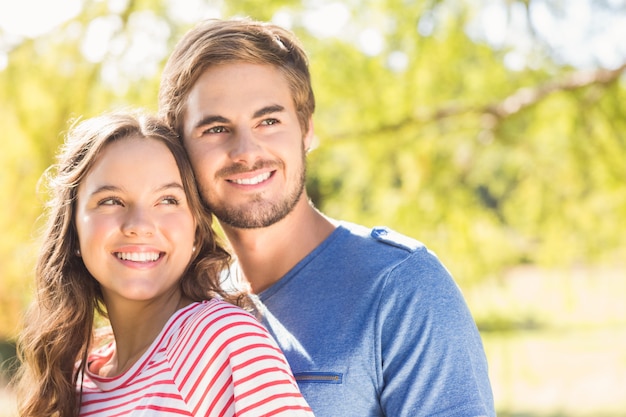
[(526, 97), (521, 99)]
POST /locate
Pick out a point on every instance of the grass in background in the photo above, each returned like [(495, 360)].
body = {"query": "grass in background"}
[(555, 341)]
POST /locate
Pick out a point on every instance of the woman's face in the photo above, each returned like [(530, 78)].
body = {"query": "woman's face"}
[(135, 227)]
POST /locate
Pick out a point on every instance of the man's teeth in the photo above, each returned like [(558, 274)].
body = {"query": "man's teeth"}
[(138, 256), (253, 180)]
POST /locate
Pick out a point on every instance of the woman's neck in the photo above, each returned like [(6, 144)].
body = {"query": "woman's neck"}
[(135, 327)]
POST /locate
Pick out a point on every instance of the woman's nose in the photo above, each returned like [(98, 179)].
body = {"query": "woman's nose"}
[(138, 222)]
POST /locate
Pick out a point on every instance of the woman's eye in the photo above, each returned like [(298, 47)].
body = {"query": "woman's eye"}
[(109, 202), (170, 201)]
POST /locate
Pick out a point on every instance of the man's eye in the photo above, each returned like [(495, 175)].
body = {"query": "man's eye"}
[(215, 129), (269, 122)]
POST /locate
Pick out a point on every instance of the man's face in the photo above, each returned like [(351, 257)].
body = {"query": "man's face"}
[(245, 143)]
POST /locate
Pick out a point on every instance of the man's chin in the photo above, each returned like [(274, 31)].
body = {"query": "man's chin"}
[(257, 214), (253, 218)]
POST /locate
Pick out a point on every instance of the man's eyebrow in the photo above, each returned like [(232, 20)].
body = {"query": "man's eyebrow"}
[(275, 108), (208, 120)]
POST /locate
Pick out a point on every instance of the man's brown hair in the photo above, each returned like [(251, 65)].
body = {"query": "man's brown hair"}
[(213, 42)]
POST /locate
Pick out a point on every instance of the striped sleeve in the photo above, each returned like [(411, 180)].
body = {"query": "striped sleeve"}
[(224, 348)]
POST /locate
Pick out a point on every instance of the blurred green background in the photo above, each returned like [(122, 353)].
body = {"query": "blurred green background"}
[(492, 130)]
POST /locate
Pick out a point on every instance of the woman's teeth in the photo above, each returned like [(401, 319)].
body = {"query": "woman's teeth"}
[(138, 256)]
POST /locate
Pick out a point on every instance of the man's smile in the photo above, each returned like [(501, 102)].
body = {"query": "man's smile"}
[(253, 180)]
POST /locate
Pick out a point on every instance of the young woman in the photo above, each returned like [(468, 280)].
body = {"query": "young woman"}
[(128, 238)]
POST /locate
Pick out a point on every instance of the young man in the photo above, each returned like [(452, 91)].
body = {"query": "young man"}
[(370, 321)]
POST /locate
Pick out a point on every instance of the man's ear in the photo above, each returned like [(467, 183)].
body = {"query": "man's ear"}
[(309, 135)]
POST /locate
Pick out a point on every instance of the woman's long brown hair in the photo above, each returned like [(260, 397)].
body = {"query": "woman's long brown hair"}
[(58, 327)]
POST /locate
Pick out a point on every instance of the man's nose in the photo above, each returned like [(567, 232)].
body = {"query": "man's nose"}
[(246, 146)]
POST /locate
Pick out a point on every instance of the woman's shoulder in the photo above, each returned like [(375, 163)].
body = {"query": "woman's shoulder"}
[(215, 328), (216, 308), (215, 315)]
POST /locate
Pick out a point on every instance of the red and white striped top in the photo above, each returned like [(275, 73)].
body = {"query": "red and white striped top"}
[(210, 359)]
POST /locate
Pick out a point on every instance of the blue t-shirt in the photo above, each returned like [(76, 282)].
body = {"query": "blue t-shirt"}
[(372, 324)]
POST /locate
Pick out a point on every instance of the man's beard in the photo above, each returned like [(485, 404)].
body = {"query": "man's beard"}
[(259, 213)]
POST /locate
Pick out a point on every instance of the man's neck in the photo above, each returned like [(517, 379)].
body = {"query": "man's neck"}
[(266, 254)]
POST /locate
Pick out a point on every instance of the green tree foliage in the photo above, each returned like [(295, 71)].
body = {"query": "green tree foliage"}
[(489, 166), (420, 126)]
